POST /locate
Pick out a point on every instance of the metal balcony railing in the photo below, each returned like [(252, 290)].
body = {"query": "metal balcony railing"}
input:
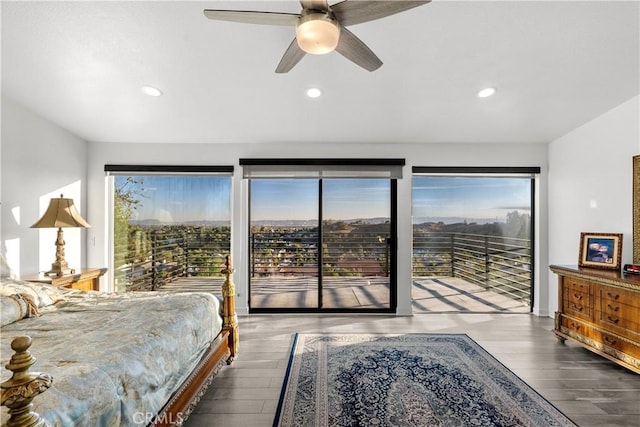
[(295, 253), (501, 264), (153, 256)]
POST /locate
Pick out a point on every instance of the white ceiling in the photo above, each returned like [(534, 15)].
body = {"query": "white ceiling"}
[(556, 65)]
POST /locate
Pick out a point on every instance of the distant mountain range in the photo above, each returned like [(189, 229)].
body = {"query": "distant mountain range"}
[(192, 223), (264, 223), (313, 222)]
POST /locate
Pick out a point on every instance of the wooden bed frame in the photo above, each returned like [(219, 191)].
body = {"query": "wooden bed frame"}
[(24, 386)]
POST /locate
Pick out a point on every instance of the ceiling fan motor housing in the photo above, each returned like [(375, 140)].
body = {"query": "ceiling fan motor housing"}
[(317, 32)]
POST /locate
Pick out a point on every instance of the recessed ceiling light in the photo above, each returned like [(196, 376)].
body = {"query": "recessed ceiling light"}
[(486, 92), (151, 91), (314, 92)]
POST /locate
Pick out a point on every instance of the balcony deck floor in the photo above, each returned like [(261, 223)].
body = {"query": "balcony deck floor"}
[(429, 295)]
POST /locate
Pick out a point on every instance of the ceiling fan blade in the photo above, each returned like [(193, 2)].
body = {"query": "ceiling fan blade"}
[(352, 48), (354, 12), (291, 57), (315, 4), (251, 17)]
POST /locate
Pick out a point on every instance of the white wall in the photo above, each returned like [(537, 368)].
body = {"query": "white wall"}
[(590, 184), (39, 160), (228, 154)]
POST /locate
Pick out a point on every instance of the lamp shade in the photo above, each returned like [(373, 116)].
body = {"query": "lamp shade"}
[(61, 213)]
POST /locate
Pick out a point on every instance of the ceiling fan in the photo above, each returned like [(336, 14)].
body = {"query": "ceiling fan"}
[(321, 28)]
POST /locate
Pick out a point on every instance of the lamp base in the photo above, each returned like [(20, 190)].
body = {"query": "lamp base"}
[(59, 269)]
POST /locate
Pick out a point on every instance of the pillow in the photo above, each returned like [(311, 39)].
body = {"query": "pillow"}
[(10, 287), (47, 294), (10, 310), (42, 293), (16, 307)]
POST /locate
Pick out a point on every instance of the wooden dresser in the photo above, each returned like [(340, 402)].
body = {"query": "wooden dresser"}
[(86, 279), (600, 309)]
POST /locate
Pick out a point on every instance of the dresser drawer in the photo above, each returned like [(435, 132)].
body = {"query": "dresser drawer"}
[(616, 312), (617, 343), (574, 327), (576, 303), (622, 296), (576, 285), (621, 318), (577, 327)]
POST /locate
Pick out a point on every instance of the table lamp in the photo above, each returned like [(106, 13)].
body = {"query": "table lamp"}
[(60, 213)]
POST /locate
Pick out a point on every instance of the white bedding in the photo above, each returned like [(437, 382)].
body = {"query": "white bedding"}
[(115, 358)]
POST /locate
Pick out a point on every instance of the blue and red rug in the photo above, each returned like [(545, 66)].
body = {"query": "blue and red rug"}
[(405, 380)]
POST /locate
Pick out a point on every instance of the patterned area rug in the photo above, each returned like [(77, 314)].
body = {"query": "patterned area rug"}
[(405, 380)]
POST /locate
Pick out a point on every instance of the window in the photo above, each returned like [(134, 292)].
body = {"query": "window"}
[(473, 239), (169, 225)]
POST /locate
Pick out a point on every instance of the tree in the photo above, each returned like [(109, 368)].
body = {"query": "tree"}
[(126, 199), (518, 225)]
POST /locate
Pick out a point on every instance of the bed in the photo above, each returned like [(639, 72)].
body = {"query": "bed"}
[(130, 359)]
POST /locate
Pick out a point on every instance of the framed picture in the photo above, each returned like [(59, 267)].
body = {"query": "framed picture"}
[(600, 250)]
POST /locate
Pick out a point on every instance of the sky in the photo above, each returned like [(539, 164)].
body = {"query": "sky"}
[(177, 199), (285, 199), (470, 197), (195, 198)]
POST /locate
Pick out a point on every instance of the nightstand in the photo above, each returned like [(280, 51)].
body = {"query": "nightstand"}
[(85, 279)]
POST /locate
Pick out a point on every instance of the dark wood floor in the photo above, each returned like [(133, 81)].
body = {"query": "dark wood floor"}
[(589, 389)]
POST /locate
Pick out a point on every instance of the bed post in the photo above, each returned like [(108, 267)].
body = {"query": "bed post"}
[(229, 318), (19, 390)]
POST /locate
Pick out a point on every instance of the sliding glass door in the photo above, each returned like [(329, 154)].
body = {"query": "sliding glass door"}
[(283, 241), (356, 240), (322, 244)]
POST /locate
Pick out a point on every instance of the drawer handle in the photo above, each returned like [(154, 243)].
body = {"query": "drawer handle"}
[(577, 296), (610, 341), (577, 307), (610, 307), (613, 319), (615, 297)]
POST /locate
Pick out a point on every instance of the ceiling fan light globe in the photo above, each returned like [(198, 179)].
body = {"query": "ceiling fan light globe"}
[(317, 33)]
